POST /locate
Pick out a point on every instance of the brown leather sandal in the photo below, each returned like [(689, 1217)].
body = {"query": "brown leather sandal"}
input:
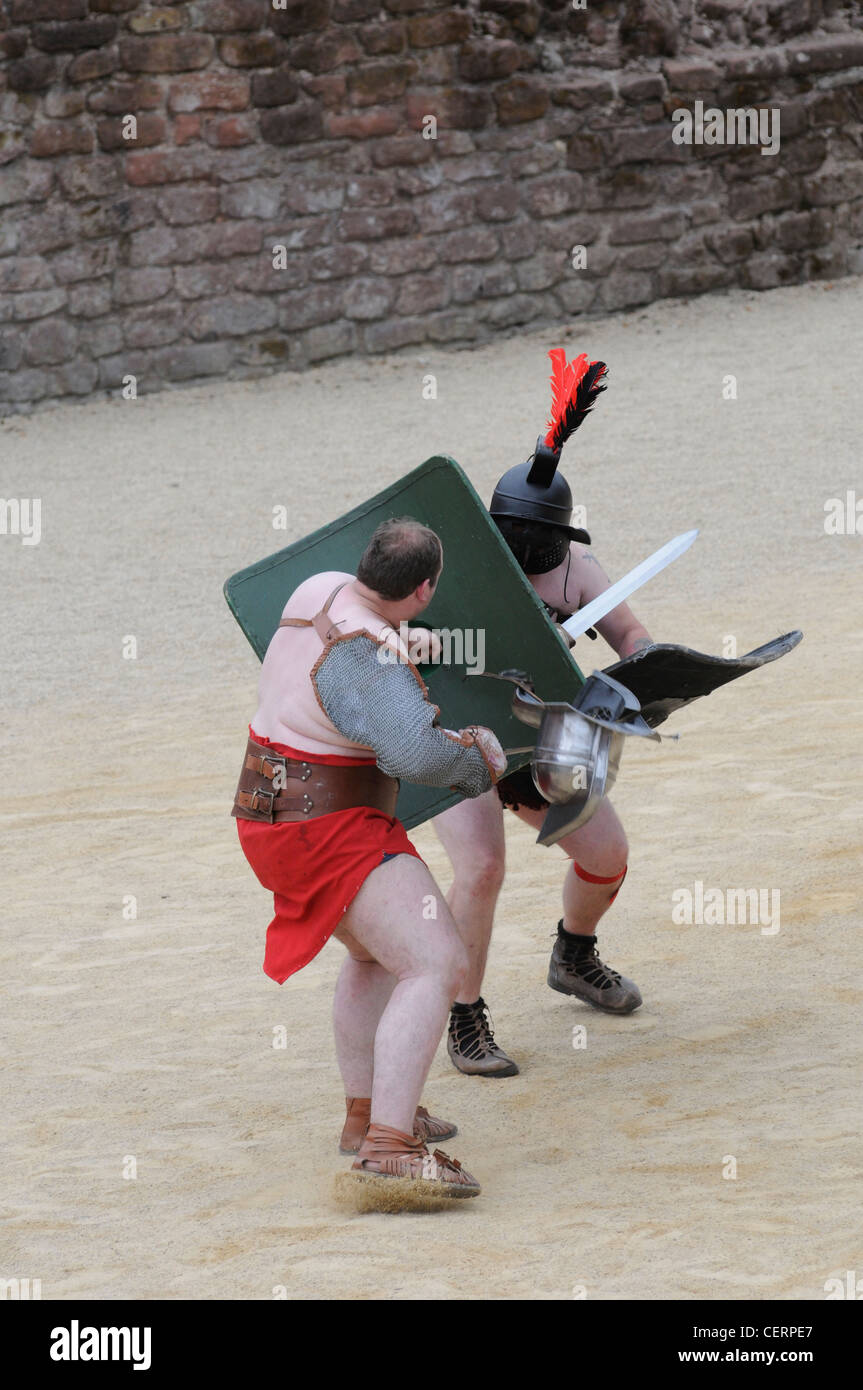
[(388, 1153), (430, 1129), (426, 1126)]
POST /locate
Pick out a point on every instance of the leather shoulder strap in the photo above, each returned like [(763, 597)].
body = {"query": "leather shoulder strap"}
[(319, 621), (336, 590)]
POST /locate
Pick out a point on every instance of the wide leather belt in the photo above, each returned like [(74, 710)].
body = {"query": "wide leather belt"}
[(322, 789)]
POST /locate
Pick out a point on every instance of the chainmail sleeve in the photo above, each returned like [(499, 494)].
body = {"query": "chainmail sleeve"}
[(383, 706)]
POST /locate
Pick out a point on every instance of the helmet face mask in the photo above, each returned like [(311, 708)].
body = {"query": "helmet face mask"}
[(537, 546)]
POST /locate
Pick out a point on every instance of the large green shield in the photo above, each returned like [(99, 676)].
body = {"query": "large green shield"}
[(481, 590)]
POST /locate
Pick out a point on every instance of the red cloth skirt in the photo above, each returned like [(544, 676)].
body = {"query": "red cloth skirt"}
[(315, 868)]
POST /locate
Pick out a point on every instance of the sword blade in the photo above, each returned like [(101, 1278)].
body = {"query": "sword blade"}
[(597, 609)]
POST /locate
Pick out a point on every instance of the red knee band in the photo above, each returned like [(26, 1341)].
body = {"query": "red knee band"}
[(597, 878)]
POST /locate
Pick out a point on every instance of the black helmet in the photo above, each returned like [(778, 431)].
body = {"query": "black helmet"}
[(535, 491), (532, 503)]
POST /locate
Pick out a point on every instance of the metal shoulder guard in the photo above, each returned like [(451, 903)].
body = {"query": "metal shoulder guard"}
[(381, 704)]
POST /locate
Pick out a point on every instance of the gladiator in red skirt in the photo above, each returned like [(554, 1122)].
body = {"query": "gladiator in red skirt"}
[(315, 868)]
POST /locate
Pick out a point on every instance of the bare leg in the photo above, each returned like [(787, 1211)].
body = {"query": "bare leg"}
[(391, 919), (473, 836), (362, 993), (600, 848)]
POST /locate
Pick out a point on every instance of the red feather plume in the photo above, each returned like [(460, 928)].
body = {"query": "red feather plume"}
[(574, 388)]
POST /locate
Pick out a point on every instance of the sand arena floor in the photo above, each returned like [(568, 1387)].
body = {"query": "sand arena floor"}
[(153, 1037)]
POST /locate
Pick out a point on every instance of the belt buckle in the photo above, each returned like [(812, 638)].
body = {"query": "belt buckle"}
[(274, 763), (260, 793)]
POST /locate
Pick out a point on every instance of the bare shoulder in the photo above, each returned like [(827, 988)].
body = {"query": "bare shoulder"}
[(585, 565), (310, 596), (575, 580), (349, 612)]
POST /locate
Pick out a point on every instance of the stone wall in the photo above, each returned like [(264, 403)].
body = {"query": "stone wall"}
[(151, 248)]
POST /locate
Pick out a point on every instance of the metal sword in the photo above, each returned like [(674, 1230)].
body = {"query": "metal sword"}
[(597, 609)]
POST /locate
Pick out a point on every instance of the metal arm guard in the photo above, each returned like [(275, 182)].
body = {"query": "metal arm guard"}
[(383, 706)]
